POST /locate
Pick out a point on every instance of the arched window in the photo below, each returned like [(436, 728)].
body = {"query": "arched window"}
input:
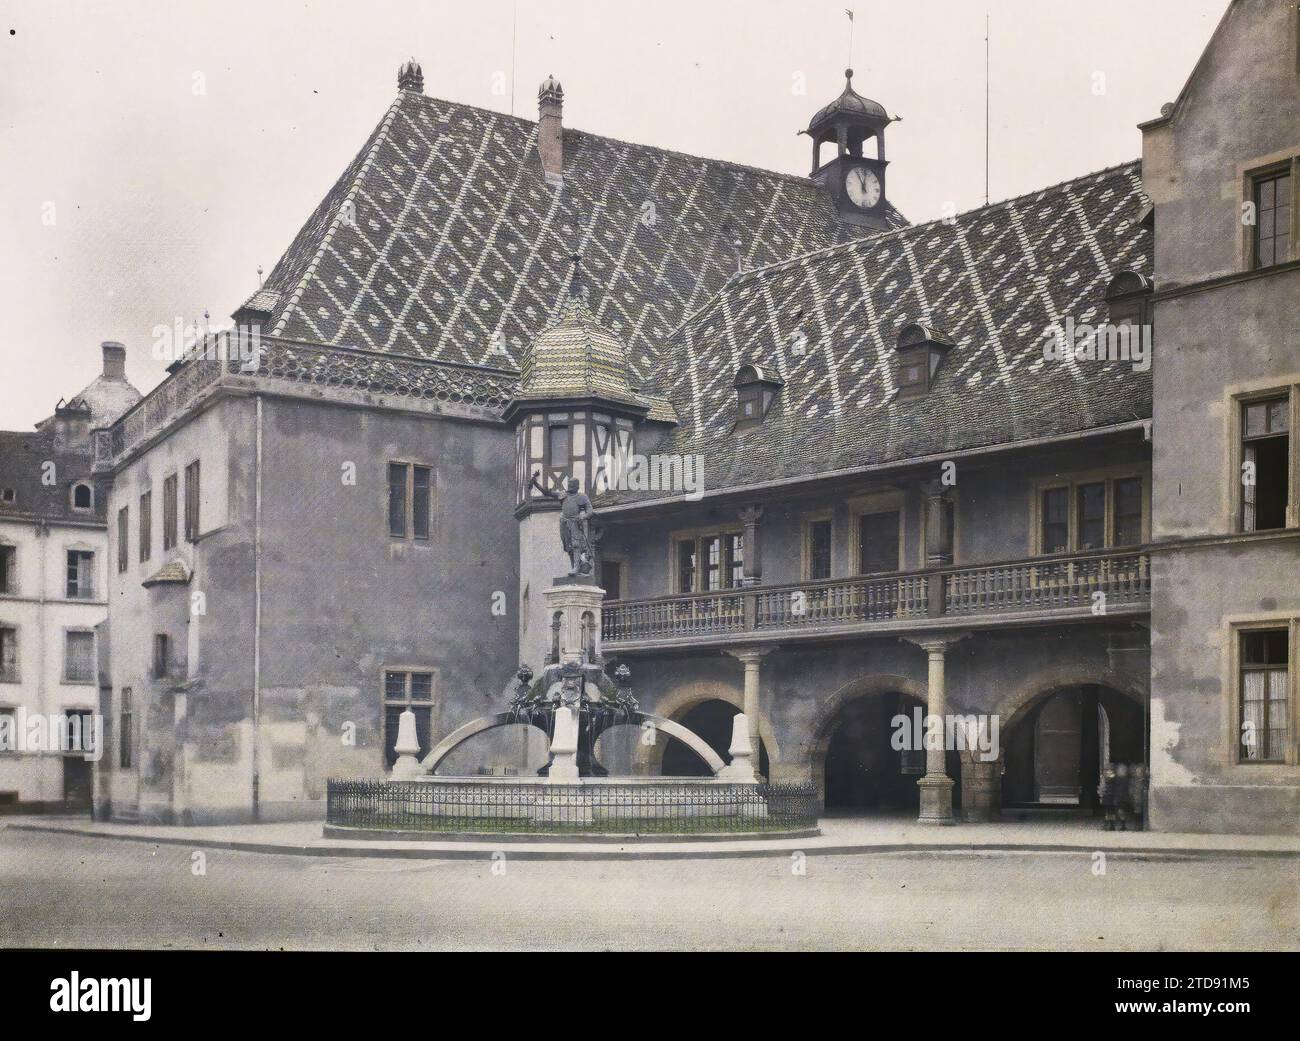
[(83, 496), (556, 622)]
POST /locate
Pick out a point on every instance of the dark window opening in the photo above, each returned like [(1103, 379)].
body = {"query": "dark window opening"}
[(611, 578), (81, 574), (146, 525), (819, 550), (1056, 520), (126, 732), (1092, 515), (162, 655), (878, 542), (686, 566), (420, 501), (169, 512), (8, 569), (397, 500), (1272, 233), (1266, 459), (192, 502), (1128, 511), (82, 498), (123, 550)]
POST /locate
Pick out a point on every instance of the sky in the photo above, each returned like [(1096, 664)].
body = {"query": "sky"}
[(154, 154)]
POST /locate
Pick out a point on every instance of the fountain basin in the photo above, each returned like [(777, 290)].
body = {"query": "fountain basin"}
[(632, 807)]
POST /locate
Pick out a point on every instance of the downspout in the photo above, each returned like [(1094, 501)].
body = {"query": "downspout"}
[(257, 610)]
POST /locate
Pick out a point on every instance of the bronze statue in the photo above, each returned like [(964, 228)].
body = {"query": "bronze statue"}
[(576, 534)]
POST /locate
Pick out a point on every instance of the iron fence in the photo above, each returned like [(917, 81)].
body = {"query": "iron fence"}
[(623, 809)]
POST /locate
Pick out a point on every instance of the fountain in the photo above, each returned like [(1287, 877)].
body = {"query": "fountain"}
[(572, 700)]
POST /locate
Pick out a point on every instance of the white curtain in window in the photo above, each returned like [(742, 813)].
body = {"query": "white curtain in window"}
[(80, 658), (1278, 720), (1253, 694)]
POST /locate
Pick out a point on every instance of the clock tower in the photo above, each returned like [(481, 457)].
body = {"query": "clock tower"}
[(855, 180)]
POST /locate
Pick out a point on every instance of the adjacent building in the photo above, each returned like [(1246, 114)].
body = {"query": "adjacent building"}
[(54, 595)]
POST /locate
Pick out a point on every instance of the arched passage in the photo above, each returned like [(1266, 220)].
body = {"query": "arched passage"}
[(711, 720), (1057, 743)]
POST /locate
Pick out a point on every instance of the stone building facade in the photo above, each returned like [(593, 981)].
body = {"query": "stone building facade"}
[(845, 467), (54, 570)]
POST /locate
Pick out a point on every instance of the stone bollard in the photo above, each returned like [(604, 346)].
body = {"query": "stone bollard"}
[(564, 747), (407, 747), (741, 767)]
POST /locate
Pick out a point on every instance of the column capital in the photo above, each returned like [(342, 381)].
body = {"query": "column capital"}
[(936, 643), (748, 655), (751, 514)]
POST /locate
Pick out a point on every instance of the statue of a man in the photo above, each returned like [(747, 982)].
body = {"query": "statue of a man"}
[(575, 525)]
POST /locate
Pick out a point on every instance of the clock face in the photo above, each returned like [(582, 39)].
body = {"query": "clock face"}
[(863, 187)]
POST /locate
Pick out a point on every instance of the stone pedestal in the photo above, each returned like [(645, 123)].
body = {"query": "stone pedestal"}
[(407, 748), (564, 748), (577, 602), (936, 800)]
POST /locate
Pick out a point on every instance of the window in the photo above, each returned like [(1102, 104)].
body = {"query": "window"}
[(1092, 515), (1056, 520), (7, 495), (81, 574), (819, 550), (169, 512), (756, 389), (409, 489), (1128, 512), (192, 502), (710, 561), (403, 690), (1271, 235), (126, 731), (686, 566), (611, 578), (146, 525), (1264, 693), (79, 656), (123, 552), (1265, 456), (878, 542), (557, 446), (8, 569), (83, 497), (162, 656), (557, 621), (8, 654)]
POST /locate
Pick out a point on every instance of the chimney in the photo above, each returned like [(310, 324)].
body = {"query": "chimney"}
[(550, 129), (114, 360)]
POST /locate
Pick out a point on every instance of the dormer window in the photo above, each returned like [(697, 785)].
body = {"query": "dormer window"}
[(83, 497), (755, 391), (921, 349), (1128, 297)]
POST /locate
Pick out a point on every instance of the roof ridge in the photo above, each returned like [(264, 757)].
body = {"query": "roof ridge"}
[(532, 124), (376, 140)]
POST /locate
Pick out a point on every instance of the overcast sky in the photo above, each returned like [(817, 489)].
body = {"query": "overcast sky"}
[(165, 200)]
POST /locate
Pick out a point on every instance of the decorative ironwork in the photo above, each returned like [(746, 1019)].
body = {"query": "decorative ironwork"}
[(654, 807)]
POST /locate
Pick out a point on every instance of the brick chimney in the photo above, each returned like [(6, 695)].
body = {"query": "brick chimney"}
[(550, 129), (114, 360)]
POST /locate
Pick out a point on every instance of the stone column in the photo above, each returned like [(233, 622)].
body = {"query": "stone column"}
[(753, 570), (938, 524), (750, 658), (936, 785)]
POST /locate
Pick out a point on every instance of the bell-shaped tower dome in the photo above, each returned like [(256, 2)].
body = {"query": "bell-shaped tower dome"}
[(854, 179)]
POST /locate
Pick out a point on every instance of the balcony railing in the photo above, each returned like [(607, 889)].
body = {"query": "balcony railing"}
[(1041, 585)]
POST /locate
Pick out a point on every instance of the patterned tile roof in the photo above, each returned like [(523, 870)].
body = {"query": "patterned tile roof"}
[(444, 240), (576, 357), (24, 456), (826, 323)]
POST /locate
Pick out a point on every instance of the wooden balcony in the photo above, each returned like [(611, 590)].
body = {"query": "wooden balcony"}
[(1037, 591)]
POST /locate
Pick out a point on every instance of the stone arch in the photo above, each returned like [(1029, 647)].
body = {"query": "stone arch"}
[(683, 698), (429, 764), (812, 752), (1012, 709)]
